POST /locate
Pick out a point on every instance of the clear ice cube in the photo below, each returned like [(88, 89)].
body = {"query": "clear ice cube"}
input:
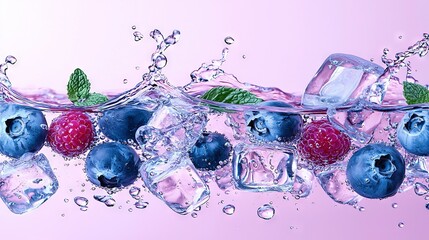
[(176, 125), (334, 183), (358, 122), (264, 168), (341, 79), (173, 179), (26, 183)]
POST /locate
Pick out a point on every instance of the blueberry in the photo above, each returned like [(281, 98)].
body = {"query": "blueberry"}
[(121, 124), (376, 171), (112, 165), (413, 132), (22, 129), (272, 126), (211, 150)]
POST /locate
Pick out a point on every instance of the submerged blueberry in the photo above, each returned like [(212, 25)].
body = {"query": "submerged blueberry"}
[(274, 126), (121, 124), (112, 165), (22, 129), (210, 151), (376, 171), (413, 132)]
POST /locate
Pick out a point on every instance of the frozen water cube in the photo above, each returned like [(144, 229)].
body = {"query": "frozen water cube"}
[(27, 182), (303, 184), (264, 168), (176, 125), (358, 122), (334, 183), (173, 179), (342, 78)]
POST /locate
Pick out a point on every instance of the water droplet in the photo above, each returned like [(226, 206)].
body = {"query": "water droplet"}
[(134, 192), (427, 206), (400, 37), (106, 199), (137, 36), (10, 59), (66, 200), (394, 205), (141, 204), (420, 189), (266, 212), (63, 215), (130, 209), (229, 209), (401, 224), (44, 126), (229, 40), (361, 209), (81, 201), (134, 27), (125, 81), (194, 215), (244, 56)]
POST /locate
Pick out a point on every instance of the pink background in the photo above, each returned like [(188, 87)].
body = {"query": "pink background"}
[(284, 44)]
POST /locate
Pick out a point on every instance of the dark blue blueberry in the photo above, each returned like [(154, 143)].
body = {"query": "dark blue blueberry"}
[(413, 132), (376, 171), (121, 124), (112, 165), (210, 151), (22, 129), (274, 126)]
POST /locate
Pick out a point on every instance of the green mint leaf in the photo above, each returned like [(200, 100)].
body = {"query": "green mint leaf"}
[(92, 99), (231, 95), (415, 93), (78, 86)]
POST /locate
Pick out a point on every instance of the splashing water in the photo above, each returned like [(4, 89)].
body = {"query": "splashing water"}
[(155, 92)]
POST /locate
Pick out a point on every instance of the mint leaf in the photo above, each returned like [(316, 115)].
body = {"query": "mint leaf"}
[(231, 95), (78, 86), (92, 99), (415, 93)]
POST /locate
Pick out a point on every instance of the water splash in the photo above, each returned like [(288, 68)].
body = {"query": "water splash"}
[(159, 60), (376, 92)]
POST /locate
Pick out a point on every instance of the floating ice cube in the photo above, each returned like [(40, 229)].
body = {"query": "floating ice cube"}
[(27, 182), (263, 168), (303, 184), (341, 79), (173, 179), (358, 122), (334, 184), (176, 125)]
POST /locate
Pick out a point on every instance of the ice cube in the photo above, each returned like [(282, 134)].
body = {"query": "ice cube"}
[(334, 183), (27, 182), (173, 179), (264, 168), (303, 184), (341, 79), (176, 125), (358, 122)]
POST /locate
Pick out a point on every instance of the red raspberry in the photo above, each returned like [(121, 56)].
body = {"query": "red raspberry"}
[(322, 144), (70, 134)]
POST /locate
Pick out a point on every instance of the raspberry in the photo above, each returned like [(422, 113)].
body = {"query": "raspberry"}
[(70, 134), (322, 144)]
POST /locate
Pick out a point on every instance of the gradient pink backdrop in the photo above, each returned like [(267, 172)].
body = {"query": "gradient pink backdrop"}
[(284, 44)]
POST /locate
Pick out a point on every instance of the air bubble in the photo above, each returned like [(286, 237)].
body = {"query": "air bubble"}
[(229, 40), (266, 212), (229, 209)]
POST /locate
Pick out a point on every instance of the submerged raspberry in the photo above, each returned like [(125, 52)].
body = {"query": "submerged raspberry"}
[(71, 134), (322, 144)]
